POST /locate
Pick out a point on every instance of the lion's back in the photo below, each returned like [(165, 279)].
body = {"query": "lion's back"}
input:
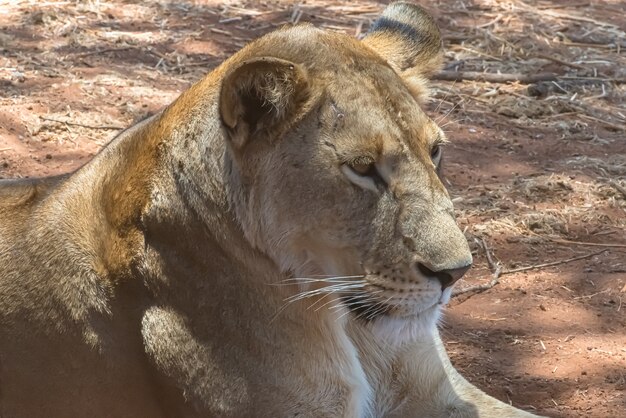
[(19, 199), (19, 193)]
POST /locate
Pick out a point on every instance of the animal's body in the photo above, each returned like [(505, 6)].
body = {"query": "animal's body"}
[(166, 277)]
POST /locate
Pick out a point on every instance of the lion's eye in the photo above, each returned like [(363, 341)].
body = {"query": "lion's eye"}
[(362, 172), (435, 153), (364, 169), (363, 166)]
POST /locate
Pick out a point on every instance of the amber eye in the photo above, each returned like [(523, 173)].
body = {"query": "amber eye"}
[(363, 169), (363, 166), (362, 172)]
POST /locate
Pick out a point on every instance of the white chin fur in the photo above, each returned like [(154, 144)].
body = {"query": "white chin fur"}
[(399, 330)]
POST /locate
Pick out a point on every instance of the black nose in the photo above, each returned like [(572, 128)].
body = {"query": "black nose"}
[(446, 277)]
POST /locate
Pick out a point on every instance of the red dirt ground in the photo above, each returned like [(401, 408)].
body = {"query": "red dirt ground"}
[(537, 172)]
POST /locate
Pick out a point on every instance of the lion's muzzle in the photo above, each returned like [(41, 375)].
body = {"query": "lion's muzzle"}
[(403, 290), (446, 277)]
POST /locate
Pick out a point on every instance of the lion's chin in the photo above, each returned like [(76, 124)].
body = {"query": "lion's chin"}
[(396, 330)]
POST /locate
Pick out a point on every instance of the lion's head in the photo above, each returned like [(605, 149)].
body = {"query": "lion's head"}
[(332, 165)]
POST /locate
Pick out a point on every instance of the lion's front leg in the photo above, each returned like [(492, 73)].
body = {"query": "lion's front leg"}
[(431, 387), (457, 398)]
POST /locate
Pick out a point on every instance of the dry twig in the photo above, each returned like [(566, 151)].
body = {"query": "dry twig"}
[(532, 9), (103, 51), (560, 61), (495, 279), (494, 266), (553, 263), (604, 122), (618, 187), (587, 244), (517, 77), (496, 270), (82, 124), (563, 6), (494, 78)]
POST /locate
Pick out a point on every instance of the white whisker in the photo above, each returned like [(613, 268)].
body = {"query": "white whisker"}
[(278, 312), (356, 301), (449, 122), (343, 314), (448, 92), (325, 304), (326, 289), (442, 118), (349, 291), (364, 299), (312, 281), (380, 308), (316, 280), (319, 300)]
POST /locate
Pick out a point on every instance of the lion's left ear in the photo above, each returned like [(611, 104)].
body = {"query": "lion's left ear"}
[(409, 39), (261, 96)]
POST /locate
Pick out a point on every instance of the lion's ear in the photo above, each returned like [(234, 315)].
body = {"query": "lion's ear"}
[(409, 39), (261, 96)]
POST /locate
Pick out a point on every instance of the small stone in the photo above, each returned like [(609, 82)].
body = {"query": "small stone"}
[(18, 76)]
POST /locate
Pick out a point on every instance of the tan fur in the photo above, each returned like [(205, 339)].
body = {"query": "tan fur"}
[(166, 277)]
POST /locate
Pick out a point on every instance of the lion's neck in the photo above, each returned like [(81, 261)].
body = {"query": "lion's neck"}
[(161, 182), (188, 220)]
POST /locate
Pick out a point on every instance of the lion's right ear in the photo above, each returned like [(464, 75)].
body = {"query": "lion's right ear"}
[(409, 39), (261, 96)]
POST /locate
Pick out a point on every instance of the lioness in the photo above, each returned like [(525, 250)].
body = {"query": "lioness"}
[(275, 243)]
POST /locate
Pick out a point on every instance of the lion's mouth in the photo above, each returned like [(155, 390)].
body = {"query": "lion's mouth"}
[(369, 305), (363, 307)]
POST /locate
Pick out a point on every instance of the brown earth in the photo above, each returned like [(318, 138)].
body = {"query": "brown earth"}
[(538, 172)]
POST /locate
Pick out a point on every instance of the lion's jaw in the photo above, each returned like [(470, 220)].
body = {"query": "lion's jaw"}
[(396, 303), (407, 309)]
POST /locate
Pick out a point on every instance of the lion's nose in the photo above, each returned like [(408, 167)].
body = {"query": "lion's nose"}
[(446, 277)]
